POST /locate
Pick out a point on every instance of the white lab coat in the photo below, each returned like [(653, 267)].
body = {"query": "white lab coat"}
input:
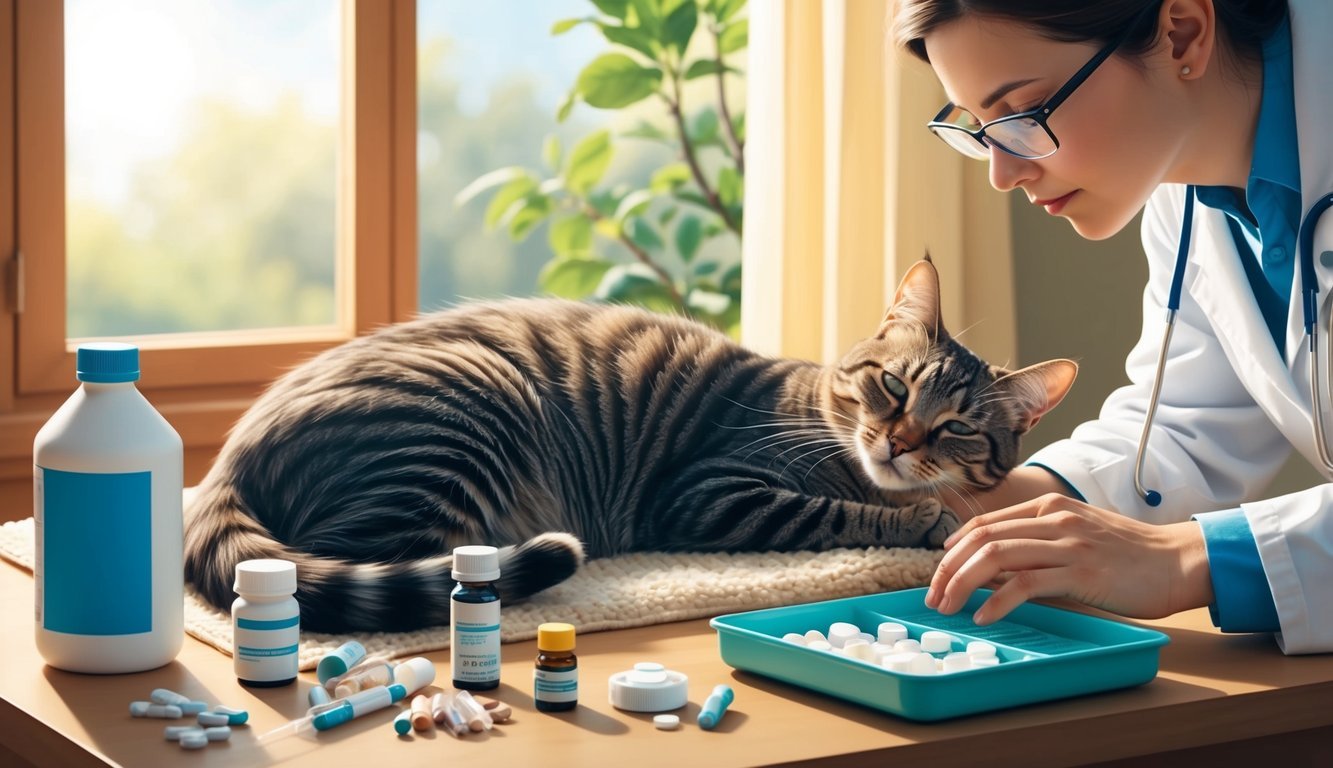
[(1231, 409)]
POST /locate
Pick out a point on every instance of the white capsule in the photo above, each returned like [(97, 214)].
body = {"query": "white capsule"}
[(891, 632), (666, 722), (193, 707), (820, 645), (860, 651), (792, 637), (194, 741), (956, 662), (907, 646), (219, 733), (167, 696), (933, 641), (175, 732), (145, 709), (319, 695), (814, 635), (899, 662), (980, 648), (881, 650), (234, 716), (984, 661), (839, 632), (923, 664), (212, 718)]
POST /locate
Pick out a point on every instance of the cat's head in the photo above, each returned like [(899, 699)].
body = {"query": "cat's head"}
[(928, 412)]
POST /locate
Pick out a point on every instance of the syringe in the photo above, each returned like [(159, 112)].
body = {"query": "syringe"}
[(335, 713)]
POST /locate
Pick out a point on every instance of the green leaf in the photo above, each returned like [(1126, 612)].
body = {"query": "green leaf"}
[(636, 284), (614, 80), (704, 128), (571, 236), (734, 37), (572, 278), (705, 268), (646, 130), (664, 218), (728, 8), (689, 233), (632, 38), (564, 25), (551, 151), (493, 179), (703, 68), (738, 123), (616, 8), (730, 186), (679, 26), (587, 162), (643, 235), (731, 280), (688, 196), (669, 177), (506, 197), (633, 204), (708, 303), (566, 106), (645, 14), (606, 202), (534, 209)]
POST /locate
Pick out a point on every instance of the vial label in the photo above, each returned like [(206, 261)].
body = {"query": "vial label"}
[(474, 648), (94, 552), (555, 687), (266, 650)]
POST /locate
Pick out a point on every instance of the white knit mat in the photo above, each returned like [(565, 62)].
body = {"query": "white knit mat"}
[(612, 593)]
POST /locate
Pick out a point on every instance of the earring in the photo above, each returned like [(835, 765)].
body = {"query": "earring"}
[(1184, 71)]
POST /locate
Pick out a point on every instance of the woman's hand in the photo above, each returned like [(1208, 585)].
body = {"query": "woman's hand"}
[(1055, 546)]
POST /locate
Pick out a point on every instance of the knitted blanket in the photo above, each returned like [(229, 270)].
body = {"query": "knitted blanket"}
[(611, 593)]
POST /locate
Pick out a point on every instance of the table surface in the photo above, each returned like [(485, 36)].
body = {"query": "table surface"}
[(1211, 688)]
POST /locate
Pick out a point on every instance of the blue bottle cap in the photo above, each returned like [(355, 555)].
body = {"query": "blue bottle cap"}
[(107, 362)]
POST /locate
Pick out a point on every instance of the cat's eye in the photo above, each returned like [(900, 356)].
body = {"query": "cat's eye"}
[(895, 385), (958, 428)]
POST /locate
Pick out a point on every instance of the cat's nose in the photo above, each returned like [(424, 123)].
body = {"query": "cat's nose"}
[(907, 436), (898, 446)]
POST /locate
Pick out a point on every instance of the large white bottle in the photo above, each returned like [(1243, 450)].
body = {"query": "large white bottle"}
[(107, 476)]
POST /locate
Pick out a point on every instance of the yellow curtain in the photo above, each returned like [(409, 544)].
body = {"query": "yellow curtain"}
[(845, 188)]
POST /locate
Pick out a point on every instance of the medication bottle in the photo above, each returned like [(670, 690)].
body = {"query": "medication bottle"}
[(555, 680), (107, 482), (265, 623), (474, 619)]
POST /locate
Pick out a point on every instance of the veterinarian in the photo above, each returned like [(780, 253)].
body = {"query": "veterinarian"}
[(1218, 115)]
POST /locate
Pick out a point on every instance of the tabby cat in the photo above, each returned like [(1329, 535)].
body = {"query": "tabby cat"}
[(560, 429)]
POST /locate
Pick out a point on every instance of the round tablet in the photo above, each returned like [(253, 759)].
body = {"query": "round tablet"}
[(666, 722)]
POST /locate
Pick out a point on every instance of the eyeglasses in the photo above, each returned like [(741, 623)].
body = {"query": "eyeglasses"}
[(1025, 134)]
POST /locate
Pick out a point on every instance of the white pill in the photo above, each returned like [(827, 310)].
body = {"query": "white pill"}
[(234, 716), (980, 648), (145, 709), (923, 664), (220, 733), (907, 646), (956, 662), (854, 641), (866, 636), (933, 641), (212, 718), (792, 637), (899, 662), (666, 722), (891, 632), (175, 732), (984, 661), (194, 741), (839, 632), (820, 645), (193, 707), (881, 649), (167, 696), (860, 651), (814, 635)]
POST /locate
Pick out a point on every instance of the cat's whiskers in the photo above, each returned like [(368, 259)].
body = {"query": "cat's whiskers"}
[(843, 452), (790, 438)]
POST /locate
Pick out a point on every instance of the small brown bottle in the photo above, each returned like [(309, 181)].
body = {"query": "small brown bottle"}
[(555, 681)]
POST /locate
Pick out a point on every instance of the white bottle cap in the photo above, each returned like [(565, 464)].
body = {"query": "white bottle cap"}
[(265, 578), (476, 563), (649, 687), (414, 674)]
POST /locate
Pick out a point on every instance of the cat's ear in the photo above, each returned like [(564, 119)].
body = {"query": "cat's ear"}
[(1037, 389), (917, 300)]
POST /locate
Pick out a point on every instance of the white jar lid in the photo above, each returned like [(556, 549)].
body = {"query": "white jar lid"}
[(649, 687), (476, 563), (265, 578)]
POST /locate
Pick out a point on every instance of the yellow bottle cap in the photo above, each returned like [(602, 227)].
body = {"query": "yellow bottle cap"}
[(555, 636)]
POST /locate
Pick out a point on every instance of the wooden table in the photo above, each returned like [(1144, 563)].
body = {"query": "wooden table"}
[(1228, 699)]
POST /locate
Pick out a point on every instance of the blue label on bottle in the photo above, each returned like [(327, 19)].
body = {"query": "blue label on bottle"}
[(97, 560)]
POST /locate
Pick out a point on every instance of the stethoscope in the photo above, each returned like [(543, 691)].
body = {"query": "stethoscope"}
[(1310, 310)]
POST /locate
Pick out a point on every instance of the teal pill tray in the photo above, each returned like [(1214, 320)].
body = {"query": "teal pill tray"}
[(1045, 653)]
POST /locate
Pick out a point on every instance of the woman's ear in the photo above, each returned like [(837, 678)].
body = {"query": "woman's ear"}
[(1189, 29)]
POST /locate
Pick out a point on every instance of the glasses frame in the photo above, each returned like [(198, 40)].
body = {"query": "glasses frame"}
[(1040, 115)]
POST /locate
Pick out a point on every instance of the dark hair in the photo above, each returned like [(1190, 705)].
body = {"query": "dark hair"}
[(1244, 24)]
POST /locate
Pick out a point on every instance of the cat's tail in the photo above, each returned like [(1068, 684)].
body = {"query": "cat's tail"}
[(339, 595)]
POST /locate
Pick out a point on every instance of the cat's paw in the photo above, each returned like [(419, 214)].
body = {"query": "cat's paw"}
[(945, 524)]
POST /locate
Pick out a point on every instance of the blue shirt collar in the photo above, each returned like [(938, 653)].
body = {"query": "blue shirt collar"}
[(1273, 159)]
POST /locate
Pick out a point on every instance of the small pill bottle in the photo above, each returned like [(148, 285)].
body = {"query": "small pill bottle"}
[(265, 623), (555, 680), (474, 619)]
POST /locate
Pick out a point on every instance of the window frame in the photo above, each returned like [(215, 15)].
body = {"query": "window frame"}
[(201, 382)]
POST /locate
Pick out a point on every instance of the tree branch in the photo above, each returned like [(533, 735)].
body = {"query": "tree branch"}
[(722, 103), (640, 254), (688, 150)]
